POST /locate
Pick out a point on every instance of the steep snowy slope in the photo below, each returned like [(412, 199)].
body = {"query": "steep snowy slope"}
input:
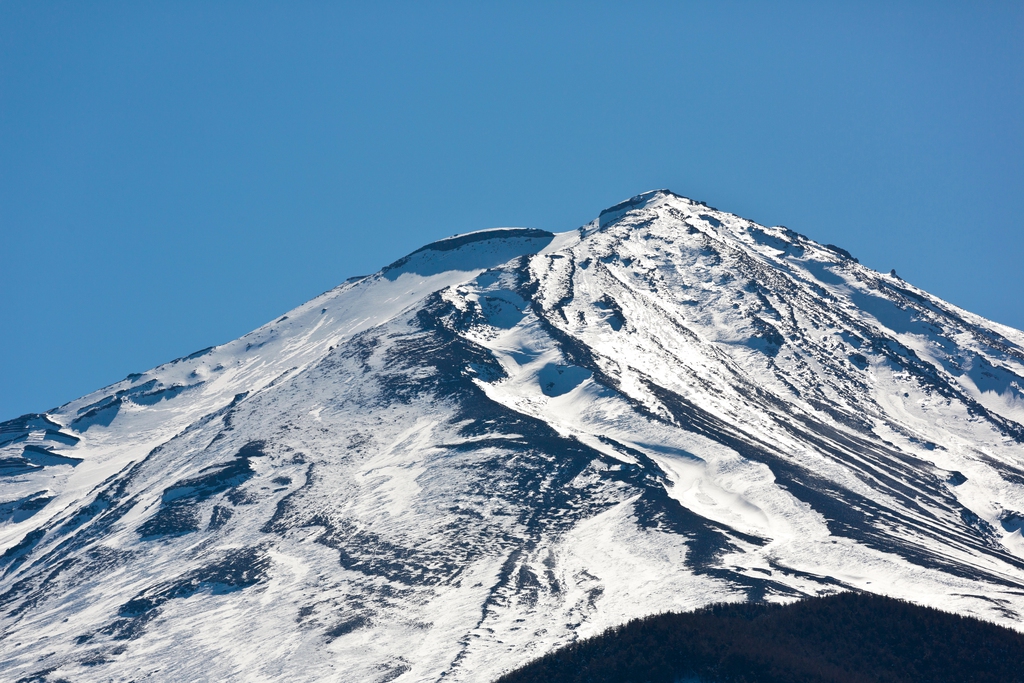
[(511, 439)]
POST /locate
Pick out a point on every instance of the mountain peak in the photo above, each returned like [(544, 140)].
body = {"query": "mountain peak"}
[(613, 213), (471, 251), (459, 240)]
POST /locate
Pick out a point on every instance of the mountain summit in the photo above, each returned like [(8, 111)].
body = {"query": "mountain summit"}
[(512, 439)]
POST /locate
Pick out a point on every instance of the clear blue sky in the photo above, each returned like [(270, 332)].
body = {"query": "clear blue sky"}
[(173, 175)]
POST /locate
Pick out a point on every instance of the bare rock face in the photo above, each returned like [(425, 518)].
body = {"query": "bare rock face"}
[(512, 439)]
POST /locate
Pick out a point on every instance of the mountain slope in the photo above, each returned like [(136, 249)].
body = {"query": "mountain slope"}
[(512, 439)]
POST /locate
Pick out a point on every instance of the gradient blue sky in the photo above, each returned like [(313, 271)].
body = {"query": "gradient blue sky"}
[(173, 175)]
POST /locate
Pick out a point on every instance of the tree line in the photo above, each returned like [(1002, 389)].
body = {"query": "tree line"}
[(842, 638)]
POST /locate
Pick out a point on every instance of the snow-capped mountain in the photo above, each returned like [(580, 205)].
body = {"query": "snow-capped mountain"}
[(511, 439)]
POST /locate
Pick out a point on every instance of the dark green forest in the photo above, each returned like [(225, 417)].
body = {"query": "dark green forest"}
[(843, 638)]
